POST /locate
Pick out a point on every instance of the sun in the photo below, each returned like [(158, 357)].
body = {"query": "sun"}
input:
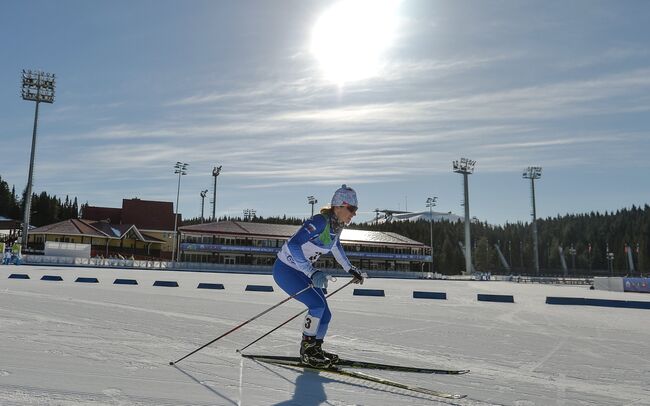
[(350, 39)]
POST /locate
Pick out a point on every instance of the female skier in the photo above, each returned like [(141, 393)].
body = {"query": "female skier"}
[(293, 271)]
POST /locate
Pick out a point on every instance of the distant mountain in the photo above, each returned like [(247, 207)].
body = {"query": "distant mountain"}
[(413, 217)]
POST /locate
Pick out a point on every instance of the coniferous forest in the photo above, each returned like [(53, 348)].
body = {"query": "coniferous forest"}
[(585, 239), (45, 209)]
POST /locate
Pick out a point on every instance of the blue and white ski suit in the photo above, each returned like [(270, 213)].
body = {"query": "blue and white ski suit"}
[(293, 269)]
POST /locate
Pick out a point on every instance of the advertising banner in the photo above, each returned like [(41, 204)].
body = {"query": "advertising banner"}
[(636, 285), (273, 250)]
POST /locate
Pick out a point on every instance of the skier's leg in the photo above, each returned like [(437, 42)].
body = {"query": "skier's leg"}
[(292, 281), (322, 330), (316, 321), (325, 317)]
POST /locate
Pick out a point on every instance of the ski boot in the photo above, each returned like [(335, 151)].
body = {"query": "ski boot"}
[(311, 353), (334, 359)]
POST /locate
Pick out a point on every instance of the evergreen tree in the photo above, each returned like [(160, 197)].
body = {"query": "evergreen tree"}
[(590, 234)]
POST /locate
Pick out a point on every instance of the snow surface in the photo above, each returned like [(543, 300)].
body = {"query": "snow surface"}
[(68, 343)]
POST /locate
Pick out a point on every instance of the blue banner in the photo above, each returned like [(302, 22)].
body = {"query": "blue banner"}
[(230, 248), (273, 250), (381, 255), (636, 285)]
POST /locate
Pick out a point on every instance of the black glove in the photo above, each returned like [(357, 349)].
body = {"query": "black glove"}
[(357, 277)]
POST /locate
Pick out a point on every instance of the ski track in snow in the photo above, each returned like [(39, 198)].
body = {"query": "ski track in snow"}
[(70, 344)]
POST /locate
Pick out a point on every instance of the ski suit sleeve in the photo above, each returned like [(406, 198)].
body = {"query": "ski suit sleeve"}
[(309, 229), (340, 256)]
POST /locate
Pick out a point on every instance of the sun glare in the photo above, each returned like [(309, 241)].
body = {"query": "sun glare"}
[(350, 39)]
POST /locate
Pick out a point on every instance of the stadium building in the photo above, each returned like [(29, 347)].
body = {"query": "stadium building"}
[(248, 243)]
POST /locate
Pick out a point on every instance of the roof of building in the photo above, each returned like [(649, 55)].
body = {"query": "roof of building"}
[(90, 228), (145, 214), (70, 227), (9, 224), (284, 231), (102, 213)]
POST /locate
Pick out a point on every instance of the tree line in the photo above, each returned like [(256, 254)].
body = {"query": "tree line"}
[(585, 239), (45, 208), (582, 240), (256, 219)]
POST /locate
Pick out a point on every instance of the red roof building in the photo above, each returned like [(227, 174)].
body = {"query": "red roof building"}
[(145, 214), (104, 238)]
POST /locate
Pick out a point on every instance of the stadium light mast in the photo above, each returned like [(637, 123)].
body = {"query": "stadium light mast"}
[(532, 173), (610, 259), (204, 193), (431, 203), (215, 173), (465, 167), (249, 214), (181, 169), (37, 86), (312, 200)]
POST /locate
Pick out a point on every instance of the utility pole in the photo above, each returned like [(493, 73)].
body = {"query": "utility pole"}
[(215, 173), (510, 252), (465, 167), (532, 173), (573, 252), (37, 87), (431, 203), (610, 262), (312, 200), (249, 214), (180, 168), (204, 193)]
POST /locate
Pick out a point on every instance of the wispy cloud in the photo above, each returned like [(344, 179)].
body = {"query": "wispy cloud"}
[(563, 87), (359, 137)]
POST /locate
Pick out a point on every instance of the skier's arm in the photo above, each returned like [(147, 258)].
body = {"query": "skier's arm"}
[(339, 255), (307, 231), (341, 258)]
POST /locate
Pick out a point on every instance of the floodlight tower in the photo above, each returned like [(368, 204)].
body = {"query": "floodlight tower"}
[(532, 173), (610, 262), (215, 173), (249, 214), (37, 87), (312, 200), (204, 193), (466, 167), (431, 203), (181, 169)]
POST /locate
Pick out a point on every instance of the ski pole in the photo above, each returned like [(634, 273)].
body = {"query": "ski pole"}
[(241, 325), (294, 317)]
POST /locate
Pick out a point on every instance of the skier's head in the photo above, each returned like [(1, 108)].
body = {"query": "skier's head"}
[(345, 196), (344, 204)]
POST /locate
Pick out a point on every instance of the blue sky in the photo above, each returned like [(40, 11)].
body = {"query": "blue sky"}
[(143, 84)]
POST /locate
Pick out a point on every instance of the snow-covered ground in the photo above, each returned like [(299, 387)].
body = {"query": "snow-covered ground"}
[(70, 343)]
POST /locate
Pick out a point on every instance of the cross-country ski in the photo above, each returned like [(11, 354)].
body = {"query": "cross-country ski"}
[(349, 363), (340, 370)]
